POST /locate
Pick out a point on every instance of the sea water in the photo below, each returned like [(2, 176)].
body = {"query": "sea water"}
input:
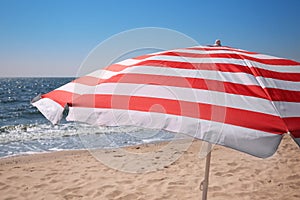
[(24, 130)]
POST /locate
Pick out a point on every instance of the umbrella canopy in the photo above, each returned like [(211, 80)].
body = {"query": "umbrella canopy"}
[(235, 98)]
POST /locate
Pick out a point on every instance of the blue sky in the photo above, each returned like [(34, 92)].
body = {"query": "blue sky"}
[(53, 37)]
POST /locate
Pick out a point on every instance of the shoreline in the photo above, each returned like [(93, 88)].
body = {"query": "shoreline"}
[(33, 153), (76, 174)]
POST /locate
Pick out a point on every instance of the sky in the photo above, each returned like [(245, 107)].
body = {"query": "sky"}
[(53, 37)]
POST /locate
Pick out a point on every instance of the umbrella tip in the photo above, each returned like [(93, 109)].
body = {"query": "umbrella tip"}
[(38, 97), (217, 43)]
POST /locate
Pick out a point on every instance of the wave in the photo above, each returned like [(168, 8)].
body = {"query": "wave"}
[(34, 138), (25, 132)]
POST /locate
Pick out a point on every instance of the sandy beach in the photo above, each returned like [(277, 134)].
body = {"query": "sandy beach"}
[(80, 175)]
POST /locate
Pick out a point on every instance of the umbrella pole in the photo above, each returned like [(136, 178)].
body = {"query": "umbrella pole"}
[(204, 183)]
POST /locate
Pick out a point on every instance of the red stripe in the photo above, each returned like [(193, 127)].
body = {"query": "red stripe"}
[(253, 120), (285, 76), (87, 80), (226, 87), (116, 67), (61, 97), (196, 83), (223, 67), (143, 57), (283, 95), (293, 124), (277, 61)]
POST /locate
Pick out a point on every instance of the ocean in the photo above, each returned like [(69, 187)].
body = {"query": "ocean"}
[(24, 130)]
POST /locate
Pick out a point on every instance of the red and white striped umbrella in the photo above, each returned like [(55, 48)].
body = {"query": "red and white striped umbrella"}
[(228, 96)]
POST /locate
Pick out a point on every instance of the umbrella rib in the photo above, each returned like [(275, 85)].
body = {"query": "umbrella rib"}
[(255, 73)]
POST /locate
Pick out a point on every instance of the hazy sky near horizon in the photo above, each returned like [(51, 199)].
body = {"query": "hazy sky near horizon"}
[(53, 37)]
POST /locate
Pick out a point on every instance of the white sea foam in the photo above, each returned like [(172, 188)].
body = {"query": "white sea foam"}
[(35, 138)]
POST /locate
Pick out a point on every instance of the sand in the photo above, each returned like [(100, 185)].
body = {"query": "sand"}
[(80, 174)]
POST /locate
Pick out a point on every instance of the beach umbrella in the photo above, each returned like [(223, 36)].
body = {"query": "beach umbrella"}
[(240, 99)]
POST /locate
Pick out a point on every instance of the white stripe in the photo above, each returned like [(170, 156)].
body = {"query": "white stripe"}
[(77, 88), (232, 77), (50, 109), (225, 51), (130, 61), (254, 142), (241, 78), (242, 62), (288, 109), (279, 84), (177, 93), (222, 48), (190, 95)]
